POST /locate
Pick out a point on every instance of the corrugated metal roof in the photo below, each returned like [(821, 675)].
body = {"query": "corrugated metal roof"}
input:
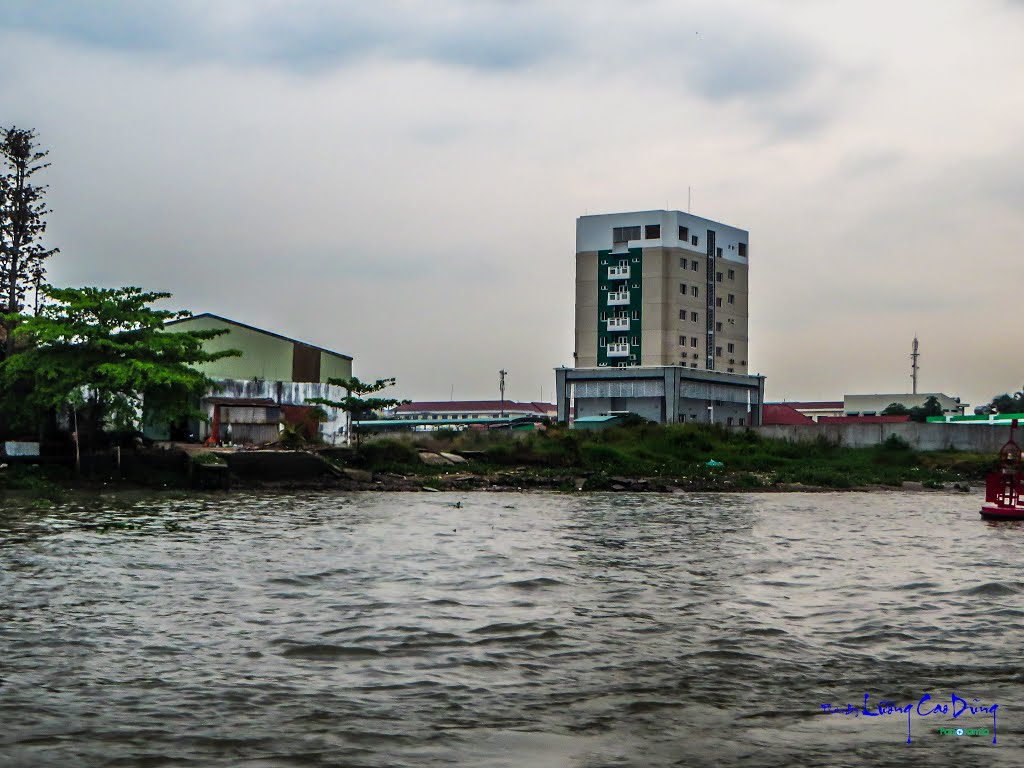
[(877, 419), (812, 404)]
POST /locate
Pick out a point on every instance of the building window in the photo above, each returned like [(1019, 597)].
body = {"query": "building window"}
[(693, 365), (731, 347), (694, 317), (695, 266), (635, 341), (604, 315), (625, 234), (682, 314), (693, 341), (718, 326), (718, 276), (741, 421), (729, 370), (636, 314), (682, 288), (682, 263), (718, 252), (718, 301), (652, 231), (743, 249), (732, 299), (732, 274), (684, 233), (718, 351), (601, 341), (693, 240), (693, 290)]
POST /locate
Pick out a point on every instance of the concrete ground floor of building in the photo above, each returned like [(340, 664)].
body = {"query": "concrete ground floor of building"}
[(664, 394)]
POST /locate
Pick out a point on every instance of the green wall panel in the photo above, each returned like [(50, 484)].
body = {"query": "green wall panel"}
[(634, 309)]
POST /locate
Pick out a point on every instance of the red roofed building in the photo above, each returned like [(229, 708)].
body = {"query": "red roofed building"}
[(783, 413), (815, 409)]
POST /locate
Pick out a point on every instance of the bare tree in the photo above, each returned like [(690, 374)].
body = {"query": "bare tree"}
[(22, 225)]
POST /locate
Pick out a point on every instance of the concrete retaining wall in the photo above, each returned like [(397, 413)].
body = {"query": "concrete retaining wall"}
[(924, 437)]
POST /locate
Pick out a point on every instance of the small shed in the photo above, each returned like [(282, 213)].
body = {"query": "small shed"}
[(599, 422), (245, 421)]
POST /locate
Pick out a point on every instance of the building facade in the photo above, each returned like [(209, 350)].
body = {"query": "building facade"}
[(270, 382), (456, 410), (661, 288)]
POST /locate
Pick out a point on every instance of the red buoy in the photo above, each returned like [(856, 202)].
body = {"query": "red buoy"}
[(1003, 486)]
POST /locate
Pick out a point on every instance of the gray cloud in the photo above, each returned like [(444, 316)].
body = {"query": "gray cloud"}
[(304, 35), (734, 68), (399, 180)]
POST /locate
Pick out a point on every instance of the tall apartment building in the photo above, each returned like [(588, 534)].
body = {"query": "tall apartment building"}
[(661, 288)]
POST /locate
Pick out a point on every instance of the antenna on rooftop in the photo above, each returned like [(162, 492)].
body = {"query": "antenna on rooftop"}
[(914, 354), (501, 386)]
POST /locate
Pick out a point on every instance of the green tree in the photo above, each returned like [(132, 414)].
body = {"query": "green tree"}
[(22, 225), (896, 409), (1007, 403), (931, 407), (103, 348), (354, 403)]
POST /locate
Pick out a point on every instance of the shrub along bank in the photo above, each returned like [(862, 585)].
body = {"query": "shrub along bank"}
[(678, 455), (639, 457)]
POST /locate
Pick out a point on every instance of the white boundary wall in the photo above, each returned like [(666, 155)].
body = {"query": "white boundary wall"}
[(979, 438)]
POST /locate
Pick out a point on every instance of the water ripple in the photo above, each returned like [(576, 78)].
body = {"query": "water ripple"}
[(527, 630)]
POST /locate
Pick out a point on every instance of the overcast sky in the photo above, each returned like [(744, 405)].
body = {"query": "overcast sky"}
[(399, 180)]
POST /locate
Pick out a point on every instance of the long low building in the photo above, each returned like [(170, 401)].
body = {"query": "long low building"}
[(470, 410), (665, 394), (873, 405)]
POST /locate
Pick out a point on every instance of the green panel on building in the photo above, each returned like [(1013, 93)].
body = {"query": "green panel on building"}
[(613, 281)]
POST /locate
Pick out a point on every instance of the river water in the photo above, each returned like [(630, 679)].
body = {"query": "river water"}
[(530, 630)]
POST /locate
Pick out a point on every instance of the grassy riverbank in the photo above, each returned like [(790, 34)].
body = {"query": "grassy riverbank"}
[(643, 457), (676, 456)]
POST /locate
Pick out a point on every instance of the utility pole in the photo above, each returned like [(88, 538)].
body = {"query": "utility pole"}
[(914, 354), (501, 387)]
